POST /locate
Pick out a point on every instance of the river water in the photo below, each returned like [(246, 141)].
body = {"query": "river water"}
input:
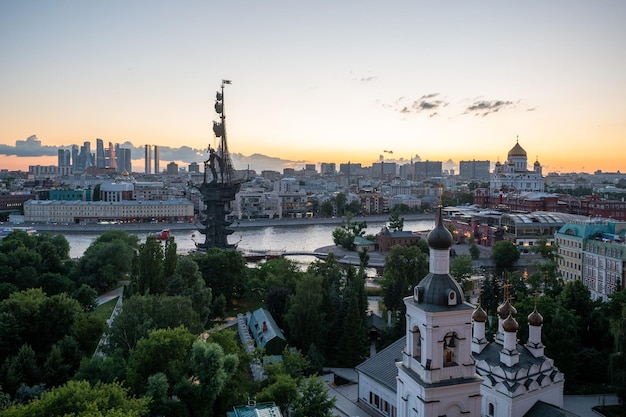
[(273, 238)]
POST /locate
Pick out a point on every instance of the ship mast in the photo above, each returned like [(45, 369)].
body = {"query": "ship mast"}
[(219, 193), (219, 128)]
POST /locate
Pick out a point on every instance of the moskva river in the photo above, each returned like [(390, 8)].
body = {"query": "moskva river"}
[(282, 238)]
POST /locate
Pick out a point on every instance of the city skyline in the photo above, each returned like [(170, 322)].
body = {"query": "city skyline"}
[(321, 82)]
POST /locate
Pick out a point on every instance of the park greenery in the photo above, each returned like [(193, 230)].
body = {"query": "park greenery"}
[(166, 355)]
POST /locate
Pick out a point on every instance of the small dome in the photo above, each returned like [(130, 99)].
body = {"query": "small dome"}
[(498, 164), (125, 173), (517, 150), (510, 324), (536, 163), (479, 315), (534, 318), (439, 237), (505, 309)]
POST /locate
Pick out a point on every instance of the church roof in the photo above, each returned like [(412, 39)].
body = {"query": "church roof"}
[(490, 356), (541, 409), (439, 237), (434, 290), (517, 150), (382, 366), (534, 318)]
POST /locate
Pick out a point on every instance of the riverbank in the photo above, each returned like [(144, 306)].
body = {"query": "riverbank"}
[(323, 220), (237, 224)]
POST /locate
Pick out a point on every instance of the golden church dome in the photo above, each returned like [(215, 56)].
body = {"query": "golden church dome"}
[(510, 324), (517, 150), (534, 318), (479, 315), (505, 309)]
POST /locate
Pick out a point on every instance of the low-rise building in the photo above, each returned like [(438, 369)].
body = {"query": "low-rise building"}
[(386, 239), (76, 212), (266, 333)]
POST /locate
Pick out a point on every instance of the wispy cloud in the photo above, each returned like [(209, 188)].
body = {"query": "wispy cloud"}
[(428, 103), (486, 107)]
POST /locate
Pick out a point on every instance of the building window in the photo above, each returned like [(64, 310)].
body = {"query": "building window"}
[(417, 343), (450, 347)]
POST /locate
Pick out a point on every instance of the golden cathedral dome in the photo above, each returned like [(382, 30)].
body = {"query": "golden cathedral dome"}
[(517, 150)]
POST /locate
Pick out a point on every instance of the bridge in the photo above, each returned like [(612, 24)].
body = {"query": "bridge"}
[(260, 255)]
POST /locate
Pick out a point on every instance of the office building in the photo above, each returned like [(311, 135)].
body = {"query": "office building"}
[(475, 170), (148, 159), (157, 170)]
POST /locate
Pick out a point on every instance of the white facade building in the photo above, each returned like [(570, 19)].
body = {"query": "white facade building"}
[(63, 211), (514, 176)]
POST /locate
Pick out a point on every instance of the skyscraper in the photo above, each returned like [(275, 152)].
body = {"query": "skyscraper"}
[(148, 157), (74, 157), (100, 159), (156, 159), (63, 158), (111, 160), (123, 159)]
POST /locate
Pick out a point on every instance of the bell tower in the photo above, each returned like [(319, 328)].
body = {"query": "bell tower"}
[(437, 375)]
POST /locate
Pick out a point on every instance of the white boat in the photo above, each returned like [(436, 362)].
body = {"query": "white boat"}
[(5, 231)]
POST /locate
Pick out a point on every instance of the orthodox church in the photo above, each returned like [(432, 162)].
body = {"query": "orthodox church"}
[(514, 175), (445, 366)]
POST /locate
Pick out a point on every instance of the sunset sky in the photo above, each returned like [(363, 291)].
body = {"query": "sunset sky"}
[(322, 81)]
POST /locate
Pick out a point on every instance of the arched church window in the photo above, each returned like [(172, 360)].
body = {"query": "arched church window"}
[(491, 409), (450, 349), (417, 343)]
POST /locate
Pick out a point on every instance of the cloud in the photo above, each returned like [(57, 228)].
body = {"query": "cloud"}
[(427, 103), (485, 107), (28, 148), (363, 79), (32, 147)]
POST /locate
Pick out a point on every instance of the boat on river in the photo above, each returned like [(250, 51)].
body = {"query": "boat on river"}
[(162, 235), (5, 231)]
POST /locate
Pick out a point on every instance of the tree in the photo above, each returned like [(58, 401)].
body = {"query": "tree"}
[(80, 399), (212, 368), (353, 346), (107, 260), (283, 390), (577, 298), (276, 300), (461, 269), (340, 201), (162, 351), (326, 209), (170, 260), (87, 297), (224, 272), (150, 277), (395, 221), (313, 399), (187, 281), (22, 369), (304, 317), (142, 314), (474, 251), (505, 254), (344, 236), (404, 268), (617, 367)]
